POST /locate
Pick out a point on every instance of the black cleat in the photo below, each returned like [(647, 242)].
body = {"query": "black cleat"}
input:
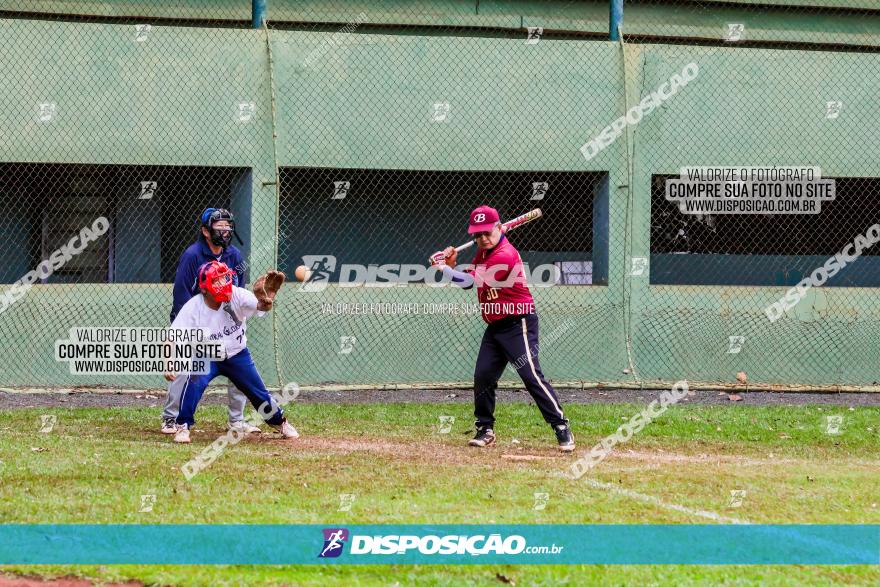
[(485, 437), (564, 437)]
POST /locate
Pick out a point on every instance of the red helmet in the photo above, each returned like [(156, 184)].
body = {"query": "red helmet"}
[(215, 278)]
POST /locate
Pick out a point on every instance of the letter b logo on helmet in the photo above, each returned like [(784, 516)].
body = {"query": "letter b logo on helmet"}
[(479, 218)]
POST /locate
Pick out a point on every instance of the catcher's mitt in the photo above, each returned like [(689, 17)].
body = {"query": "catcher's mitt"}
[(265, 288)]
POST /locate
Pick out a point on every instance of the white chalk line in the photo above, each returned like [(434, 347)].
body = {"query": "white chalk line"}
[(644, 498)]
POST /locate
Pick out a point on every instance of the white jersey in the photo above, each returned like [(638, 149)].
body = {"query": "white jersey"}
[(226, 324)]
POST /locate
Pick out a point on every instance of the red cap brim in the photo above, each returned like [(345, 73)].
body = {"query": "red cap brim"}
[(473, 228)]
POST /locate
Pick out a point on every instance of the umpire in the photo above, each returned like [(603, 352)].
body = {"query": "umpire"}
[(214, 244)]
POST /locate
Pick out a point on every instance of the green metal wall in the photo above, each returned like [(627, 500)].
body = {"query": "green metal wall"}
[(765, 20), (339, 115)]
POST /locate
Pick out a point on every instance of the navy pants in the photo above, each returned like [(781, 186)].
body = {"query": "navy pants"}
[(242, 372), (512, 340)]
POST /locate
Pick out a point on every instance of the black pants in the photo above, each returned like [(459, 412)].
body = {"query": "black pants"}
[(512, 340)]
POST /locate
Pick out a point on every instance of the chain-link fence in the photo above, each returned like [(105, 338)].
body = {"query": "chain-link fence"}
[(780, 84), (355, 138)]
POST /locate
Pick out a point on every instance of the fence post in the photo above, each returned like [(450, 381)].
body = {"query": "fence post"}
[(258, 13), (615, 20)]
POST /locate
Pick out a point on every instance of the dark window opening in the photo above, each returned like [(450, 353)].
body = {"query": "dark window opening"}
[(763, 249), (152, 213), (374, 217)]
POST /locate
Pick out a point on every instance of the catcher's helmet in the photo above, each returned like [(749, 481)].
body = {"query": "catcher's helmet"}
[(219, 238), (215, 278)]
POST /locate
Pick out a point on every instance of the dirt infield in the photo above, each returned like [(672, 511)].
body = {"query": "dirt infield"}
[(12, 399)]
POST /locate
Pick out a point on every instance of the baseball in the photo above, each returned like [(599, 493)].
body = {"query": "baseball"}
[(302, 273)]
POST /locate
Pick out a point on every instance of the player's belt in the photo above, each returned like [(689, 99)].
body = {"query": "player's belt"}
[(507, 321)]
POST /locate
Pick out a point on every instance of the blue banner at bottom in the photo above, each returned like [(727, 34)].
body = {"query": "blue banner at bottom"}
[(440, 544)]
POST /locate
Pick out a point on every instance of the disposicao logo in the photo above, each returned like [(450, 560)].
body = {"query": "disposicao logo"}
[(334, 540), (406, 544), (473, 545)]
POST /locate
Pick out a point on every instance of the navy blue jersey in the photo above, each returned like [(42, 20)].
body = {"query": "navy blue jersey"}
[(197, 254)]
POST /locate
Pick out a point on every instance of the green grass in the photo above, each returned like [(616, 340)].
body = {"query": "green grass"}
[(99, 462)]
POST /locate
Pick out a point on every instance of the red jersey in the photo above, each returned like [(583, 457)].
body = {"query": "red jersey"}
[(501, 283)]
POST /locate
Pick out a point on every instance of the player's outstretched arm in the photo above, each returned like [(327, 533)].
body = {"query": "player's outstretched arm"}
[(450, 256), (266, 287)]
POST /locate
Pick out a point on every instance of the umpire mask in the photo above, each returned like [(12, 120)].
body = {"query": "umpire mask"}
[(220, 236)]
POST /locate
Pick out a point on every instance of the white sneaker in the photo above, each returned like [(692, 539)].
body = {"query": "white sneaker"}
[(182, 434), (244, 427), (287, 430), (169, 426)]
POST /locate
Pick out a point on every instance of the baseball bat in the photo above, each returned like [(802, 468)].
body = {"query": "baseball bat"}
[(505, 227)]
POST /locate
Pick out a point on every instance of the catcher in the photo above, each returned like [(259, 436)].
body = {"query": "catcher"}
[(214, 244), (223, 309)]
